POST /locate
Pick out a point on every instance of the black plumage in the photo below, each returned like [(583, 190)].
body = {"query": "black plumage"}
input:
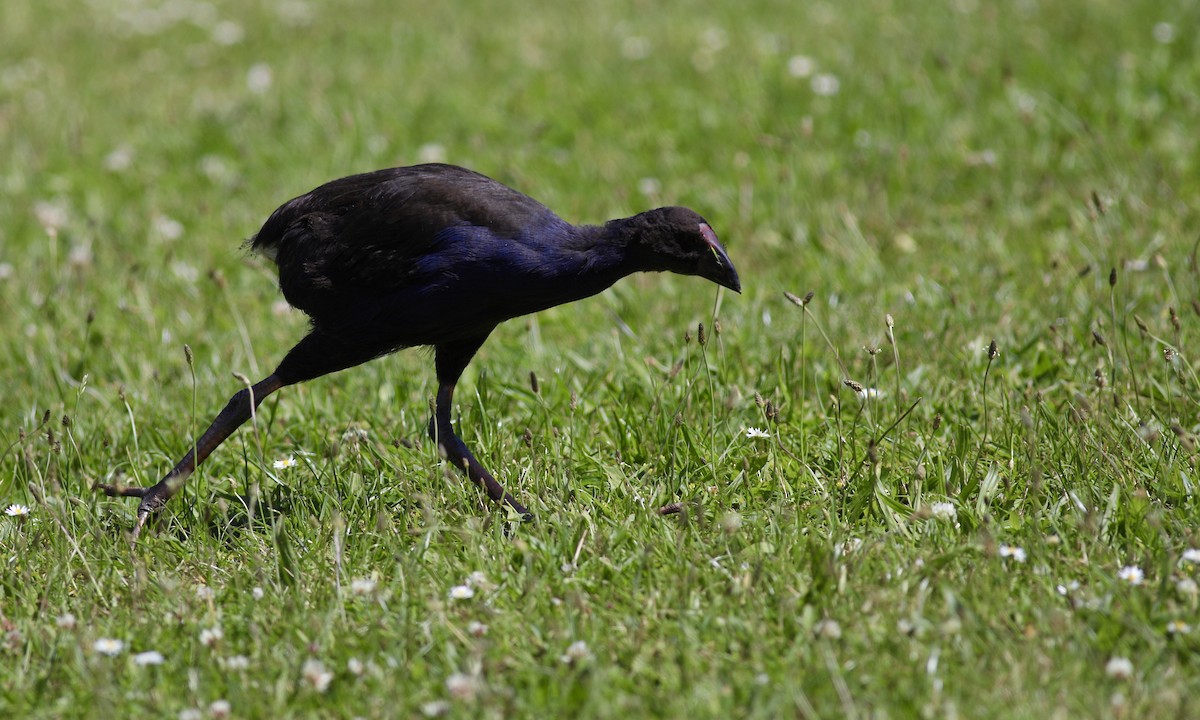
[(436, 255)]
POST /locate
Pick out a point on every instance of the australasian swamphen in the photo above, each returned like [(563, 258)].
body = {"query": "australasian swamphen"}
[(435, 255)]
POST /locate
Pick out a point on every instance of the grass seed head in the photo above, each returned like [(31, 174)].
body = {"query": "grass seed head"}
[(1174, 319), (993, 351), (856, 387), (700, 336), (1112, 277), (1098, 339), (533, 382)]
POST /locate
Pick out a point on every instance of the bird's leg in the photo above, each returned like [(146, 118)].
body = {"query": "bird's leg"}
[(451, 360), (442, 433), (317, 354), (239, 409)]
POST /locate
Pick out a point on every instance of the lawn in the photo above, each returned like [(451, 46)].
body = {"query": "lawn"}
[(937, 460)]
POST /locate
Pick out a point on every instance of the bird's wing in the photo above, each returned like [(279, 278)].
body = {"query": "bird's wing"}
[(373, 233)]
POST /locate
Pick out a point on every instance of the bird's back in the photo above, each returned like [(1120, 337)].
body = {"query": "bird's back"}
[(353, 245)]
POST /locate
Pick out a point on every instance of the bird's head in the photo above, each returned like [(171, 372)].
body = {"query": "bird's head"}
[(678, 240)]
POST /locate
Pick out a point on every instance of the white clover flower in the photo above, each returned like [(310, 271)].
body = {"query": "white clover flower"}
[(315, 674), (190, 714), (825, 85), (435, 708), (362, 586), (150, 657), (66, 621), (649, 186), (943, 511), (169, 228), (461, 687), (204, 592), (227, 33), (1164, 33), (355, 435), (257, 593), (1011, 551), (477, 628), (801, 66), (1119, 668), (1132, 574), (108, 646), (462, 592), (827, 629), (479, 579), (286, 463), (576, 652), (1192, 555), (1068, 588), (355, 666), (220, 708), (209, 637), (1187, 586), (259, 78), (431, 153), (754, 433), (635, 48), (16, 510)]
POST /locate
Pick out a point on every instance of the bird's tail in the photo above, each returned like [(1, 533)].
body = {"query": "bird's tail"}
[(263, 249)]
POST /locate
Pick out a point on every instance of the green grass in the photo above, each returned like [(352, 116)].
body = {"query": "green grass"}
[(979, 172)]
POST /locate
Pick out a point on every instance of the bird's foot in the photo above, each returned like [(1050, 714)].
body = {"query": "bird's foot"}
[(153, 500)]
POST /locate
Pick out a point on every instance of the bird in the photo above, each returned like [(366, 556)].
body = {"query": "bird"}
[(434, 255)]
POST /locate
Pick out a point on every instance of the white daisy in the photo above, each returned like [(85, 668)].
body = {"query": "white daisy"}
[(15, 510), (108, 646), (1132, 574)]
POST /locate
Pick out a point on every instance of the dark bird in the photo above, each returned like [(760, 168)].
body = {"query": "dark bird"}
[(435, 255)]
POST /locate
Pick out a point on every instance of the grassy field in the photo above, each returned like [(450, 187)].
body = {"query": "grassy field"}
[(1005, 530)]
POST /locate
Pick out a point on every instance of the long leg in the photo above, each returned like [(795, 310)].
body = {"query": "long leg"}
[(452, 359), (315, 355)]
